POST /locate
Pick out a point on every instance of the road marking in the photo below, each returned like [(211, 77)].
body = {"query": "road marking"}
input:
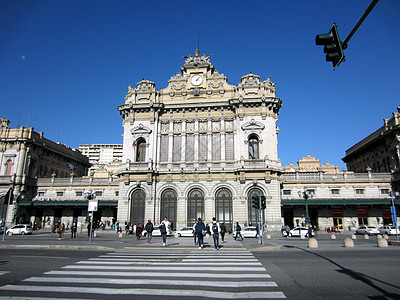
[(38, 256), (165, 292), (157, 274), (127, 263), (165, 268), (4, 272), (158, 282)]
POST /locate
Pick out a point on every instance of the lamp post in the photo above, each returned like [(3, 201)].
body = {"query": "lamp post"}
[(394, 195), (90, 196), (306, 194)]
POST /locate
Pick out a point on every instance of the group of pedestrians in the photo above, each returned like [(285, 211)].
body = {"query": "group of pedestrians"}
[(214, 229)]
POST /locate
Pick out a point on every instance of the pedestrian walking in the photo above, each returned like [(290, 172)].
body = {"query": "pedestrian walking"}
[(287, 230), (149, 229), (73, 230), (215, 230), (139, 230), (200, 232), (165, 228), (238, 234), (223, 231), (194, 232), (61, 230)]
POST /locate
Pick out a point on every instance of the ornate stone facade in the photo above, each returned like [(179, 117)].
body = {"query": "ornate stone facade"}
[(200, 148)]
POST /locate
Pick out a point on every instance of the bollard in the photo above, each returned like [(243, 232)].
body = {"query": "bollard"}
[(382, 243), (348, 243), (354, 237), (366, 236), (94, 234), (312, 243), (10, 233), (385, 236), (269, 236), (302, 236), (378, 236), (121, 234), (333, 236)]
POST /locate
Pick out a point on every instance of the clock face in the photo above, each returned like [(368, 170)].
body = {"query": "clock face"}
[(197, 80)]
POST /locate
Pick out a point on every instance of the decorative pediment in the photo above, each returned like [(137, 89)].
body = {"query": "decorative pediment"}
[(253, 125), (141, 130)]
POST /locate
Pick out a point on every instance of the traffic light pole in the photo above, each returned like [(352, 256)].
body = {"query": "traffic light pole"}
[(366, 13)]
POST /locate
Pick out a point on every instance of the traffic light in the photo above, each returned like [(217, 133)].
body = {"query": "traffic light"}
[(263, 203), (332, 46), (256, 202)]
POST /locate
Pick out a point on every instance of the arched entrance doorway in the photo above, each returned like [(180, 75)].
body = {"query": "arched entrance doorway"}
[(252, 212), (195, 206), (169, 206), (223, 206), (137, 207)]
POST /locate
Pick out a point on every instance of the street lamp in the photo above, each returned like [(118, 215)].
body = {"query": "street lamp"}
[(90, 196), (394, 195), (306, 194)]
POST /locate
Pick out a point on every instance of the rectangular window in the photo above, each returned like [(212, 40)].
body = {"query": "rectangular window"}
[(60, 194), (335, 191), (116, 193), (99, 193), (203, 147), (41, 194), (287, 192), (78, 194), (216, 151), (384, 191), (189, 148), (177, 148), (360, 191), (164, 148), (229, 147)]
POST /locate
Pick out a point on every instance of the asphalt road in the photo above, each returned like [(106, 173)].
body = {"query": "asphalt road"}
[(335, 274), (288, 269)]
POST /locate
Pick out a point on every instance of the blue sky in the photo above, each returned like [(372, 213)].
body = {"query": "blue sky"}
[(65, 65)]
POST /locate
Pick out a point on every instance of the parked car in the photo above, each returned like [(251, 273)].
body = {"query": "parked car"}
[(20, 229), (156, 232), (298, 231), (185, 231), (389, 230), (370, 230), (248, 232)]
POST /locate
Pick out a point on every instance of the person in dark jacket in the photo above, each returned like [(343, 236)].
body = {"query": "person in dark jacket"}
[(223, 231), (199, 228), (73, 230), (149, 229)]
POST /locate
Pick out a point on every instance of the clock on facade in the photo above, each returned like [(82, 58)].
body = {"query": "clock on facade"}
[(197, 80)]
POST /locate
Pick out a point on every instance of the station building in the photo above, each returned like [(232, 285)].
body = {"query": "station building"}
[(198, 148)]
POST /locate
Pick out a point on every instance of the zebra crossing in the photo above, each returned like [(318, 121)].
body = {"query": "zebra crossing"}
[(225, 274)]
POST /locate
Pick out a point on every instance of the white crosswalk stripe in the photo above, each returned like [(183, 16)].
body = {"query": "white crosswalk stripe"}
[(224, 274)]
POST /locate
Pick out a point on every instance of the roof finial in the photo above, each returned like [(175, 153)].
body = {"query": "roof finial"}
[(198, 37)]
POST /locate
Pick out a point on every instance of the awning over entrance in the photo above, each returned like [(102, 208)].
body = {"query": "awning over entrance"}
[(339, 202), (67, 203)]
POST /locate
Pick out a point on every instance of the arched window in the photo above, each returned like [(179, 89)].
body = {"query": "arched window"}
[(140, 150), (252, 217), (195, 206), (8, 167), (137, 207), (223, 206), (253, 147), (169, 206)]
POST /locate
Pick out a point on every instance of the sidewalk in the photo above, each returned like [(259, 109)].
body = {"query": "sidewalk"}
[(109, 240)]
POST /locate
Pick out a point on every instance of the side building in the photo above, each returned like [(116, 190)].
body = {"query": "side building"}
[(342, 199), (26, 156)]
